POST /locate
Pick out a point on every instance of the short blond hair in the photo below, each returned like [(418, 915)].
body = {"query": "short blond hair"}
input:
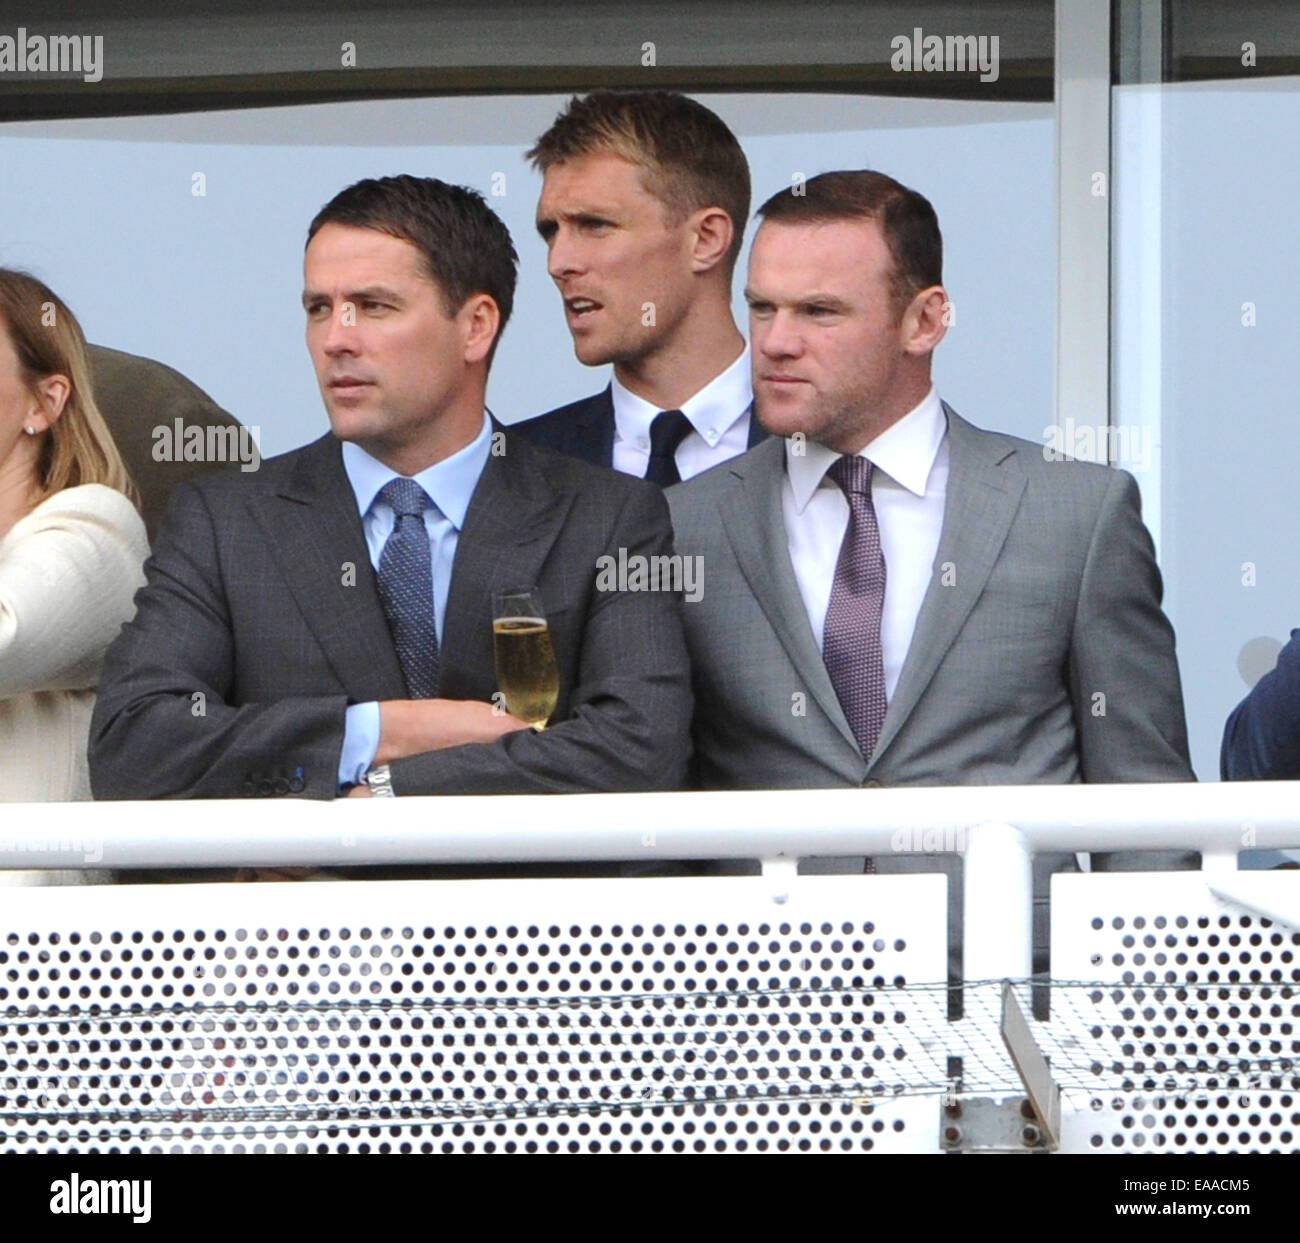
[(688, 157), (48, 341)]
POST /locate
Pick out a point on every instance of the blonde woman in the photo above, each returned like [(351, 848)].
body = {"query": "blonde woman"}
[(71, 549)]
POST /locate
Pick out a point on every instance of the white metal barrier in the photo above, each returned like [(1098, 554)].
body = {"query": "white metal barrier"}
[(714, 1013)]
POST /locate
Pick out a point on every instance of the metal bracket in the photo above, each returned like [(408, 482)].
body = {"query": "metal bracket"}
[(1007, 1121), (1034, 1069), (990, 1124)]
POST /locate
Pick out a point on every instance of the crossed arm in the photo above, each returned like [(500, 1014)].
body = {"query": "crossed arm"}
[(168, 722), (629, 722)]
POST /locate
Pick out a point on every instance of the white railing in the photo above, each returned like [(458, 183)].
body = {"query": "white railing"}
[(996, 829), (1218, 818), (649, 1012)]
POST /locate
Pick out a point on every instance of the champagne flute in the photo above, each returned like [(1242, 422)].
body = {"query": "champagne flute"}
[(525, 658)]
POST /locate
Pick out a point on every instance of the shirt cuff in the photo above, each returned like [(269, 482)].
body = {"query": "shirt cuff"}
[(360, 742)]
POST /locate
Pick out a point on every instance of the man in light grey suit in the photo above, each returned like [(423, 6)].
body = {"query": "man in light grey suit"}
[(326, 623), (892, 596)]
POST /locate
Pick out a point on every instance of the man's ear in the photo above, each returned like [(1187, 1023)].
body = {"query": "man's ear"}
[(712, 233), (925, 321), (481, 321)]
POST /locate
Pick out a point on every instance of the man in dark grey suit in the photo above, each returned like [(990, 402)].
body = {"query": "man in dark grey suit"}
[(643, 212), (893, 596), (326, 623)]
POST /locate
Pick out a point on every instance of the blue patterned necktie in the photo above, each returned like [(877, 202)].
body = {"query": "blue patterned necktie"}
[(851, 637), (406, 587)]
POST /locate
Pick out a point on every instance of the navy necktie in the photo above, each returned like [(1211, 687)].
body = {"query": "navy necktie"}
[(851, 637), (669, 429), (406, 587)]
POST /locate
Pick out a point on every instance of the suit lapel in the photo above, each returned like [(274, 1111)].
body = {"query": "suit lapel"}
[(984, 490), (314, 533), (592, 434), (753, 519), (513, 520)]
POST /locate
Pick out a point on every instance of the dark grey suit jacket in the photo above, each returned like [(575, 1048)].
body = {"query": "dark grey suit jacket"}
[(585, 429), (1041, 656), (260, 623)]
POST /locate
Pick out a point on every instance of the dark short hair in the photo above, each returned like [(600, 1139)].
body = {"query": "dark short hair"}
[(465, 246), (688, 157), (906, 219)]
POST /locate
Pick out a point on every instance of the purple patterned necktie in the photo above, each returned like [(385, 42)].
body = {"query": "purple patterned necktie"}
[(851, 637)]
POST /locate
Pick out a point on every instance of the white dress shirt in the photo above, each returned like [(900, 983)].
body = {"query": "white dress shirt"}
[(908, 488), (719, 413)]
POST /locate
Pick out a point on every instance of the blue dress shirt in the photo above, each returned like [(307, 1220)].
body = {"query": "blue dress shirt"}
[(449, 484)]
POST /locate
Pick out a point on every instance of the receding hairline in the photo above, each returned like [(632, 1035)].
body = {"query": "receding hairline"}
[(900, 290), (423, 264), (873, 219)]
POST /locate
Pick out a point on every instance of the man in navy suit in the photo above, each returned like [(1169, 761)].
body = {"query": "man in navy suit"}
[(1261, 740), (643, 211)]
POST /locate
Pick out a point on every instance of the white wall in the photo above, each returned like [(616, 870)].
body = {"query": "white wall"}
[(103, 211), (1229, 395)]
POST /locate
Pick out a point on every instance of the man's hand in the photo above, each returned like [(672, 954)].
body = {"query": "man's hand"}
[(414, 726), (359, 791)]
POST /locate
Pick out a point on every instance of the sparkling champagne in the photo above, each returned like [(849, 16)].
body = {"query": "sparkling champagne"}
[(526, 671)]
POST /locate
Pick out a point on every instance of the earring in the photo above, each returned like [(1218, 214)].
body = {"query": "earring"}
[(31, 431)]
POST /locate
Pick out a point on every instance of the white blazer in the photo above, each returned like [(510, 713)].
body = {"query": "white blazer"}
[(68, 573)]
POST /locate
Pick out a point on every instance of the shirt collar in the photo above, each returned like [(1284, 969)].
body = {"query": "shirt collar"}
[(450, 483), (905, 451), (723, 400)]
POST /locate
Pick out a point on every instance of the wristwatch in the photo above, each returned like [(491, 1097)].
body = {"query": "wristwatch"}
[(380, 781)]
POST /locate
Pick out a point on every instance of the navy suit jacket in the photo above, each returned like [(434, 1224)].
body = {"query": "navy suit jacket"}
[(585, 429), (1262, 737)]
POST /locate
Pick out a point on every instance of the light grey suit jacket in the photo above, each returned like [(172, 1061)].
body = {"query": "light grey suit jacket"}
[(1040, 653)]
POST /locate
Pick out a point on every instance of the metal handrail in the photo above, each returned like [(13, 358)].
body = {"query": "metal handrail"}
[(1213, 818)]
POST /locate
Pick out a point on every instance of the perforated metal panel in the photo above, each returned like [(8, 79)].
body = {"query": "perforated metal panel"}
[(1192, 1041), (489, 1016)]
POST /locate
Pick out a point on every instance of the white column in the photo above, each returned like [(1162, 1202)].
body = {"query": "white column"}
[(999, 918), (1083, 222)]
